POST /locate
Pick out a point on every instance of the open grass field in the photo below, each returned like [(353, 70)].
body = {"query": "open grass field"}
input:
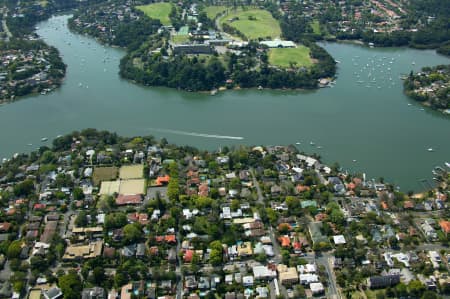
[(253, 23), (180, 39), (104, 174), (159, 11), (283, 57), (131, 172), (213, 11), (316, 27)]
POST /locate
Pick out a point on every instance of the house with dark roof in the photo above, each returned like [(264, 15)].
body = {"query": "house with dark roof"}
[(376, 282), (93, 293)]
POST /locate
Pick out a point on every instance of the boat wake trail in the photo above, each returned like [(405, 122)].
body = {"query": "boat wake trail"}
[(178, 132)]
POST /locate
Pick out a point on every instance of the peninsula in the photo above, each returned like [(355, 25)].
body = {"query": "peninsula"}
[(431, 87)]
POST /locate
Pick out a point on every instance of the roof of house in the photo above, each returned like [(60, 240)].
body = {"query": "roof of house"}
[(170, 239), (285, 241), (188, 255), (126, 290), (5, 226), (445, 225), (128, 199), (49, 231), (91, 250), (161, 180)]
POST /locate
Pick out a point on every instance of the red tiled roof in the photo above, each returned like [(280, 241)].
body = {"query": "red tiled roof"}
[(384, 205), (20, 201), (5, 226), (39, 206), (301, 188), (170, 239), (161, 180), (128, 200), (297, 245), (445, 225), (203, 190), (351, 186), (285, 241), (188, 256)]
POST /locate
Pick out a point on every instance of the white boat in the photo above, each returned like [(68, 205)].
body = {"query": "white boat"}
[(319, 146), (43, 139), (430, 149), (298, 143), (311, 143), (447, 164), (354, 160)]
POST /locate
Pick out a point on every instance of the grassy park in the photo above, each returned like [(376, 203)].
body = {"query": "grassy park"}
[(315, 25), (253, 23), (283, 57), (213, 11), (159, 11)]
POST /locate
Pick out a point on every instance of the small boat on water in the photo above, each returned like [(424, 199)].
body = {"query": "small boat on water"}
[(319, 146), (43, 139), (354, 160), (298, 143), (213, 92), (430, 149), (311, 143), (447, 164), (30, 144)]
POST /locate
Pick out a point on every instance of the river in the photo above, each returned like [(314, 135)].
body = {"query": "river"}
[(366, 126)]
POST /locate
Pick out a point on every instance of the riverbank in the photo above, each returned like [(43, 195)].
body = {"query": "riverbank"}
[(268, 117), (430, 87)]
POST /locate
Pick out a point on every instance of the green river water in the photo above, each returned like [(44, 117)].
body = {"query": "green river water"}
[(364, 122)]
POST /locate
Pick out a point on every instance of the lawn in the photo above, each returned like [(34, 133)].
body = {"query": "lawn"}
[(372, 294), (213, 11), (316, 27), (131, 172), (104, 174), (180, 39), (253, 23), (159, 11), (283, 57)]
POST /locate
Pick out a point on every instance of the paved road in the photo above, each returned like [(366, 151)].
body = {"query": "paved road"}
[(220, 29), (178, 271), (324, 260), (258, 188)]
